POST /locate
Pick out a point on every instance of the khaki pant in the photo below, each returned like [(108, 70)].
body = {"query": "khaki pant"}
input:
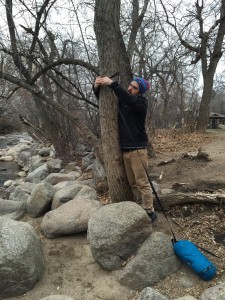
[(137, 177)]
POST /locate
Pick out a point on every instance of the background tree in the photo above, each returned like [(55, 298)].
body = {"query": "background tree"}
[(40, 68), (201, 31)]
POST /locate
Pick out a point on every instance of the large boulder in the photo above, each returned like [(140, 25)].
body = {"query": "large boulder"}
[(19, 195), (154, 260), (116, 231), (21, 258), (45, 151), (71, 217), (72, 167), (62, 184), (55, 178), (54, 165), (12, 209), (216, 292), (151, 294), (34, 163), (87, 160), (38, 174), (40, 199), (69, 192), (24, 156), (21, 192)]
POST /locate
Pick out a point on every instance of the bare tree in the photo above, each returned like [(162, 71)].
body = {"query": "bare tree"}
[(204, 41), (39, 66)]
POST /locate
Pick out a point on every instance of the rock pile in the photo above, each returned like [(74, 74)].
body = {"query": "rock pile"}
[(119, 235)]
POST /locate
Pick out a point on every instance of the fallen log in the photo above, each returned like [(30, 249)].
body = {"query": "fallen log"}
[(199, 185), (171, 200)]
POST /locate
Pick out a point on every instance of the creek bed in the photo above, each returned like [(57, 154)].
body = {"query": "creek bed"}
[(9, 169)]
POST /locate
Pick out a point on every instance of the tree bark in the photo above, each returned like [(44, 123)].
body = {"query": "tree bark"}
[(204, 109), (112, 58)]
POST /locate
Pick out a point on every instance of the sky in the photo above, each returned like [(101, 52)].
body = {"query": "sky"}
[(62, 17), (64, 20)]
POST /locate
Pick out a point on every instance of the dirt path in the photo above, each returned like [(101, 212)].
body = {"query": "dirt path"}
[(205, 221), (187, 170), (71, 269)]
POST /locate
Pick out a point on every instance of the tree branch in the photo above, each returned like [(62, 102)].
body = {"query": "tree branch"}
[(71, 94), (66, 61), (11, 25), (35, 91), (183, 42), (136, 23)]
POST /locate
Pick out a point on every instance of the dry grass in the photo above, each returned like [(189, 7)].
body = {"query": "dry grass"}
[(175, 140)]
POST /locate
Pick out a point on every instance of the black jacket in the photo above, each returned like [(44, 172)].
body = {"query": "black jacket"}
[(131, 118)]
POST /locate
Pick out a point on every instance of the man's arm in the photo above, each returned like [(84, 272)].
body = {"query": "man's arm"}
[(138, 103)]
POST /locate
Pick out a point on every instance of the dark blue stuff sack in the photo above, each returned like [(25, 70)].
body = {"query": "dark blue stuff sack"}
[(195, 259)]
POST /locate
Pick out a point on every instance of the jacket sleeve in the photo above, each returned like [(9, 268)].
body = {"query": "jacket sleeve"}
[(138, 103), (96, 91)]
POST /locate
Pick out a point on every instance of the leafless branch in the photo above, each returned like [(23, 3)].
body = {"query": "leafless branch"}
[(66, 61), (71, 94), (37, 92), (183, 42), (136, 23)]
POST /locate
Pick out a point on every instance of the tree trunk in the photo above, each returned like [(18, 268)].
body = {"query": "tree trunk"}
[(51, 122), (112, 58), (49, 126), (209, 65), (204, 109), (170, 200)]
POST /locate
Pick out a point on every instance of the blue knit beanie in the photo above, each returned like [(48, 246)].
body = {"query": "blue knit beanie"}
[(143, 84)]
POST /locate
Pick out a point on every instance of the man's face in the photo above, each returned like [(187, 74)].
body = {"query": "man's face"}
[(133, 88)]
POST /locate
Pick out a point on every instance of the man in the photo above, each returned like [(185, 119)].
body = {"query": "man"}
[(133, 138)]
